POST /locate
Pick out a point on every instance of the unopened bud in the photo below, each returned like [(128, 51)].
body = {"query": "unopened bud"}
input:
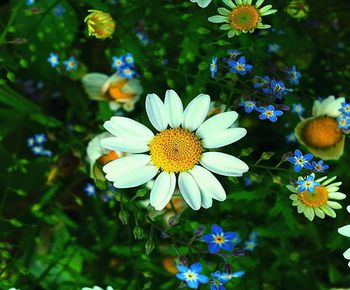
[(267, 155), (183, 260), (227, 268), (174, 220), (138, 233), (247, 151), (141, 192), (277, 179), (149, 246), (123, 216), (286, 156), (199, 231)]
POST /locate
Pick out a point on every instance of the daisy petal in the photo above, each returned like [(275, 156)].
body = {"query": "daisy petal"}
[(121, 126), (346, 254), (208, 184), (218, 19), (196, 112), (229, 3), (162, 190), (189, 190), (223, 164), (258, 3), (125, 164), (140, 176), (345, 231), (223, 138), (174, 108), (217, 123), (125, 144), (156, 112)]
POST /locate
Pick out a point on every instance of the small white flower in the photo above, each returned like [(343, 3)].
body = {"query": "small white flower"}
[(177, 153), (202, 3)]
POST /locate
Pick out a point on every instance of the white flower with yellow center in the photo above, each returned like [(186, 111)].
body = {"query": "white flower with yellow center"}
[(176, 152), (242, 17), (118, 91), (319, 202), (320, 133), (345, 231)]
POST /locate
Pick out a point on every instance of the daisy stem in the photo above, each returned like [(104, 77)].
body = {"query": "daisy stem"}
[(269, 167)]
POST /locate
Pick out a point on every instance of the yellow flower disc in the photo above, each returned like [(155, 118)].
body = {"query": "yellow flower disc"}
[(175, 150), (322, 133), (244, 17), (315, 199)]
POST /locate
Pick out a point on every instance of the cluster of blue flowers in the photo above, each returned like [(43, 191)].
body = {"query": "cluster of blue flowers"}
[(271, 86), (266, 113), (70, 64), (124, 65), (36, 145), (301, 161), (192, 277), (344, 118)]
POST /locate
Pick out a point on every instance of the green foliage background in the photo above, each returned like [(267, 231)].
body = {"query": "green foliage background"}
[(55, 237)]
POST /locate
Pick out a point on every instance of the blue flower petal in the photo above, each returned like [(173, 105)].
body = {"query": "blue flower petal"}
[(214, 248), (197, 268), (216, 230)]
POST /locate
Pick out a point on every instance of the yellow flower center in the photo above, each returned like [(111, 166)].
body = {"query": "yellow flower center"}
[(219, 240), (315, 199), (175, 150), (115, 91), (322, 133), (244, 17)]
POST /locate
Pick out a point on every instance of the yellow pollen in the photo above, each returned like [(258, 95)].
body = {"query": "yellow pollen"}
[(219, 239), (244, 17), (314, 199), (322, 133), (175, 150)]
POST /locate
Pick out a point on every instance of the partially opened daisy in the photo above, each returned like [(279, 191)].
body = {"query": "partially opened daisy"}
[(320, 133), (243, 16), (345, 231), (177, 152), (319, 202)]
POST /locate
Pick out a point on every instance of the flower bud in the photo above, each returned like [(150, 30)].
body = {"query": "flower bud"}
[(173, 220), (149, 246), (124, 216), (199, 231), (183, 260), (138, 233), (100, 24), (267, 155)]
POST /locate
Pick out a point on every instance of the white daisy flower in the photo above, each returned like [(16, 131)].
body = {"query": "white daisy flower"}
[(202, 3), (176, 152), (118, 91), (345, 231), (242, 16), (320, 133), (320, 201)]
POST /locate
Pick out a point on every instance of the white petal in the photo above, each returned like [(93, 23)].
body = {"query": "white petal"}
[(208, 184), (334, 204), (337, 195), (258, 3), (125, 144), (190, 190), (223, 164), (348, 208), (207, 201), (174, 108), (156, 112), (346, 254), (223, 138), (125, 164), (121, 126), (162, 190), (217, 123), (218, 19), (345, 231), (140, 176), (196, 112)]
